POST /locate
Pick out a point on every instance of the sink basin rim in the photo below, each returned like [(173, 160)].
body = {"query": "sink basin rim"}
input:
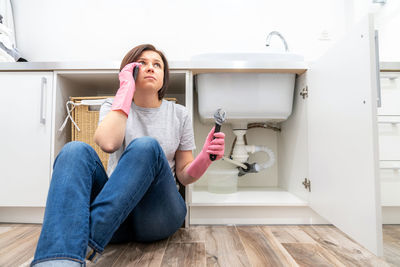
[(249, 57)]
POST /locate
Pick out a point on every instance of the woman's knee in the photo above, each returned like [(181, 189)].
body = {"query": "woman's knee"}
[(143, 144), (75, 164), (159, 228), (76, 150), (172, 227), (76, 147)]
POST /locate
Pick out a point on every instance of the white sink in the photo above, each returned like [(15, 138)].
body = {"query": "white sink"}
[(247, 96)]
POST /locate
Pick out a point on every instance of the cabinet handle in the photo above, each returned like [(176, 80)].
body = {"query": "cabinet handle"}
[(43, 101), (393, 167), (388, 122), (390, 78), (389, 168), (378, 80)]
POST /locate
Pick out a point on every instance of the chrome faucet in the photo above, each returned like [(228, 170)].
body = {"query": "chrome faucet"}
[(280, 36)]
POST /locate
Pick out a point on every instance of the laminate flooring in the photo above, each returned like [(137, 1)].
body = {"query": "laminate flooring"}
[(272, 245)]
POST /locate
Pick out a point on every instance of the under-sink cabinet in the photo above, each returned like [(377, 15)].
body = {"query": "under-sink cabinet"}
[(329, 140)]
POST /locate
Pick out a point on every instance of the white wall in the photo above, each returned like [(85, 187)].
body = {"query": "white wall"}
[(64, 30), (387, 22)]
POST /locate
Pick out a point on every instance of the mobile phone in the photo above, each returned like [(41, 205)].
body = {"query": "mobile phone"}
[(135, 72)]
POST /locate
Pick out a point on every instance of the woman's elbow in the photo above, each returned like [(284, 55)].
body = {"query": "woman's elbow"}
[(108, 148), (106, 145), (184, 178)]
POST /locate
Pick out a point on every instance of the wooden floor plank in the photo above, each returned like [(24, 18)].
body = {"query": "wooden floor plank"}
[(391, 244), (110, 255), (5, 227), (262, 250), (276, 244), (307, 254), (290, 234), (185, 254), (345, 250), (142, 254), (191, 234), (8, 238), (391, 233), (21, 249), (224, 247), (392, 253)]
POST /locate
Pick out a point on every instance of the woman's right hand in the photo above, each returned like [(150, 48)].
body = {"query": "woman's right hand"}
[(123, 98), (126, 74), (110, 133)]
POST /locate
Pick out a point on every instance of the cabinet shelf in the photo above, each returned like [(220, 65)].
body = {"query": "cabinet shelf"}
[(247, 196)]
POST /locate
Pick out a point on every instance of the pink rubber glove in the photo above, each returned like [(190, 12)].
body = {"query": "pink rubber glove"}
[(123, 98), (212, 146)]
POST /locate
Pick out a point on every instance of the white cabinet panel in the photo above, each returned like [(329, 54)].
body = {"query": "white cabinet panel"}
[(390, 87), (390, 183), (25, 138), (343, 137), (389, 141)]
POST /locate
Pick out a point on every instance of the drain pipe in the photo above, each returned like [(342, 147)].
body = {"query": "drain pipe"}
[(271, 155), (255, 167)]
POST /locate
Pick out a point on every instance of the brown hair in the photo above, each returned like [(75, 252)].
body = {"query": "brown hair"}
[(135, 53)]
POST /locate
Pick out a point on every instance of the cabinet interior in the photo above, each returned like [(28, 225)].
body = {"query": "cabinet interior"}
[(96, 83), (279, 184)]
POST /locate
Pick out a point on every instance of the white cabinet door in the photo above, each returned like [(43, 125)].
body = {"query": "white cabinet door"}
[(25, 138), (343, 139)]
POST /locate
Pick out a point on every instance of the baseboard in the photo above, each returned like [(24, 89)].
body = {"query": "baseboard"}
[(21, 214), (216, 215), (223, 215), (391, 215)]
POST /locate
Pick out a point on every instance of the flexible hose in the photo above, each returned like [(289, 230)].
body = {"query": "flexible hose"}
[(271, 155), (237, 163), (269, 163)]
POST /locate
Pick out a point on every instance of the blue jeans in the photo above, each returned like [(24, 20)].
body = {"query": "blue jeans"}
[(84, 209)]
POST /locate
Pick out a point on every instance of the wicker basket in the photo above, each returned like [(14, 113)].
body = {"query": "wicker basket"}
[(87, 120)]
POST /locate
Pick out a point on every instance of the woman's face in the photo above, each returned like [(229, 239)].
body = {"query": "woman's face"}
[(151, 73)]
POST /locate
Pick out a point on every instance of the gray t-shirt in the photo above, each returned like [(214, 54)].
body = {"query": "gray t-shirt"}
[(169, 124)]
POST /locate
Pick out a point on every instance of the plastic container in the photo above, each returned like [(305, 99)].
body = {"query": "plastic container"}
[(222, 181)]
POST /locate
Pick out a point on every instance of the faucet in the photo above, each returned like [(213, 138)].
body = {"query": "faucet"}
[(280, 36)]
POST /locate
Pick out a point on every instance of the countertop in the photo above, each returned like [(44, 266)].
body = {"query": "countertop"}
[(195, 66)]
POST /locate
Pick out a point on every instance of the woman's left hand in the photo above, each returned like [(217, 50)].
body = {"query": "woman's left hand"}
[(215, 144)]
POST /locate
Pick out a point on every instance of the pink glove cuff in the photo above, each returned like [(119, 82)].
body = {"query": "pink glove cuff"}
[(199, 165), (212, 146), (123, 98)]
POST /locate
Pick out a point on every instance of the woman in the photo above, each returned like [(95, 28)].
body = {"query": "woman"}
[(137, 199)]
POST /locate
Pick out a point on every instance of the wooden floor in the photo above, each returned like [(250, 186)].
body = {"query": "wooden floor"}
[(223, 246)]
